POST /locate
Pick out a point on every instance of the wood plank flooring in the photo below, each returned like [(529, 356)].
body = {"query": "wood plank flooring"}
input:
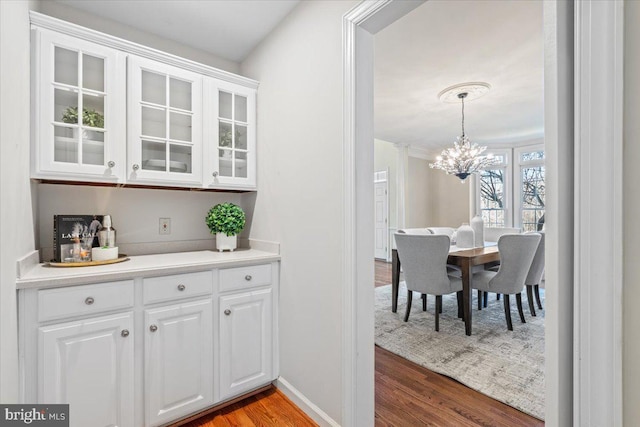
[(407, 395), (269, 408)]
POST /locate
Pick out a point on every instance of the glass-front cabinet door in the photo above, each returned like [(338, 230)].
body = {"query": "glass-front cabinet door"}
[(80, 113), (230, 159), (165, 124)]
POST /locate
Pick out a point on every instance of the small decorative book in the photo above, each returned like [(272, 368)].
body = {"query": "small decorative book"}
[(73, 234)]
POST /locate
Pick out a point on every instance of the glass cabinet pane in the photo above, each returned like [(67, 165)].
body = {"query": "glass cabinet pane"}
[(92, 73), (65, 148), (240, 108), (154, 122), (226, 162), (180, 126), (93, 111), (66, 66), (93, 147), (180, 156), (154, 88), (180, 94), (225, 135), (224, 105), (65, 108), (154, 155), (241, 164), (241, 137)]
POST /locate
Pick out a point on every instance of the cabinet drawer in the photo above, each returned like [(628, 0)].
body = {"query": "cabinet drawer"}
[(170, 288), (80, 300), (245, 277)]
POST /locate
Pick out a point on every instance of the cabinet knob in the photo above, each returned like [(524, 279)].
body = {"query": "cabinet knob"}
[(227, 312), (153, 328), (215, 174), (124, 333), (89, 300), (181, 287), (248, 277), (136, 166), (111, 163)]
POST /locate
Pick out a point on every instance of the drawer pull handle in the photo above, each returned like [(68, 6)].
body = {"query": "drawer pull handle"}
[(248, 277), (181, 287), (227, 312), (124, 333), (89, 301), (153, 328)]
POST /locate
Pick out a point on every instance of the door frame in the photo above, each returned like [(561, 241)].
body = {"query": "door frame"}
[(576, 344)]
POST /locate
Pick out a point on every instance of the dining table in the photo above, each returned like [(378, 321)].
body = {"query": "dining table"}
[(465, 259)]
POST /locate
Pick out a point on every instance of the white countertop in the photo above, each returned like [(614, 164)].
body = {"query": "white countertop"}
[(44, 276)]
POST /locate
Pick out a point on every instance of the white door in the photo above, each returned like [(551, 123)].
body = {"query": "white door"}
[(178, 360), (381, 219), (89, 365), (246, 334)]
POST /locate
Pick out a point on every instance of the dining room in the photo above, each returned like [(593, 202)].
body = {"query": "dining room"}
[(478, 212)]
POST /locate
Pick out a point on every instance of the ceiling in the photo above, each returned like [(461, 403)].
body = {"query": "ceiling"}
[(230, 29), (439, 44), (442, 43)]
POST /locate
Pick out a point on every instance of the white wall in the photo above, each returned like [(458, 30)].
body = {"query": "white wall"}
[(80, 17), (135, 213), (451, 206), (420, 198), (300, 201), (16, 217), (631, 293)]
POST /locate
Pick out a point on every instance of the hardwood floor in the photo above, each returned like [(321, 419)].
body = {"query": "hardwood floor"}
[(406, 394), (409, 395), (269, 408)]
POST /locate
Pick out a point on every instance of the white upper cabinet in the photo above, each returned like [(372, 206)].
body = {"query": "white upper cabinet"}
[(112, 111), (164, 123), (230, 159), (80, 109)]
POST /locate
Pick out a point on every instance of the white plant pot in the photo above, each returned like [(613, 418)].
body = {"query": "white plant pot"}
[(226, 243)]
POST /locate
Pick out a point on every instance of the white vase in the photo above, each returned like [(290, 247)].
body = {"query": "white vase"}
[(465, 236), (477, 224), (226, 243)]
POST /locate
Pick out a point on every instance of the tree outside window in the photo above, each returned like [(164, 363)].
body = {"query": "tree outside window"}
[(492, 197)]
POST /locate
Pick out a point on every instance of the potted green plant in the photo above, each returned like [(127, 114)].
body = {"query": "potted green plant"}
[(226, 221), (90, 118)]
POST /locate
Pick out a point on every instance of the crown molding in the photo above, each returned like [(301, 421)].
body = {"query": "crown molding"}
[(40, 20)]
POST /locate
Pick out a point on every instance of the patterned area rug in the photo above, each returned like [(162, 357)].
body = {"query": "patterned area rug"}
[(505, 365)]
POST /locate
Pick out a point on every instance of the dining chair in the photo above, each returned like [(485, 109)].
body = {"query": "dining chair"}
[(449, 231), (516, 254), (492, 234), (534, 277), (424, 261)]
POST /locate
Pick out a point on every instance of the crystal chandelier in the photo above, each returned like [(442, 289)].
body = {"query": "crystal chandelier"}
[(464, 158)]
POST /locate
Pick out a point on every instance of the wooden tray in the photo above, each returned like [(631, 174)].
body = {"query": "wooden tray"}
[(121, 257)]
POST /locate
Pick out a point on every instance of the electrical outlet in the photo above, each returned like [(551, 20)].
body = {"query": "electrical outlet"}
[(165, 226)]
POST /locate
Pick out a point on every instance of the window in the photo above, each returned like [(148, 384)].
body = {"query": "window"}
[(531, 189), (494, 197), (496, 189)]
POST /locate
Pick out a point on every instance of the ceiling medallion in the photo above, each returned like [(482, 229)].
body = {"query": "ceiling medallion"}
[(474, 90)]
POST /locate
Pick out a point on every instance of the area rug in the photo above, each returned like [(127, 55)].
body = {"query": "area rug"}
[(505, 365)]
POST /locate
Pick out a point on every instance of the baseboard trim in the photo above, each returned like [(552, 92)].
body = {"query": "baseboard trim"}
[(308, 407)]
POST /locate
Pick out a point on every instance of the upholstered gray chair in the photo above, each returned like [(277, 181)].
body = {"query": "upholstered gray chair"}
[(535, 275), (449, 231), (516, 254), (424, 261), (420, 231), (492, 234)]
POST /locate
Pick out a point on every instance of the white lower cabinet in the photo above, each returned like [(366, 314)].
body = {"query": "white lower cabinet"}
[(148, 351), (89, 365), (178, 360), (246, 339)]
